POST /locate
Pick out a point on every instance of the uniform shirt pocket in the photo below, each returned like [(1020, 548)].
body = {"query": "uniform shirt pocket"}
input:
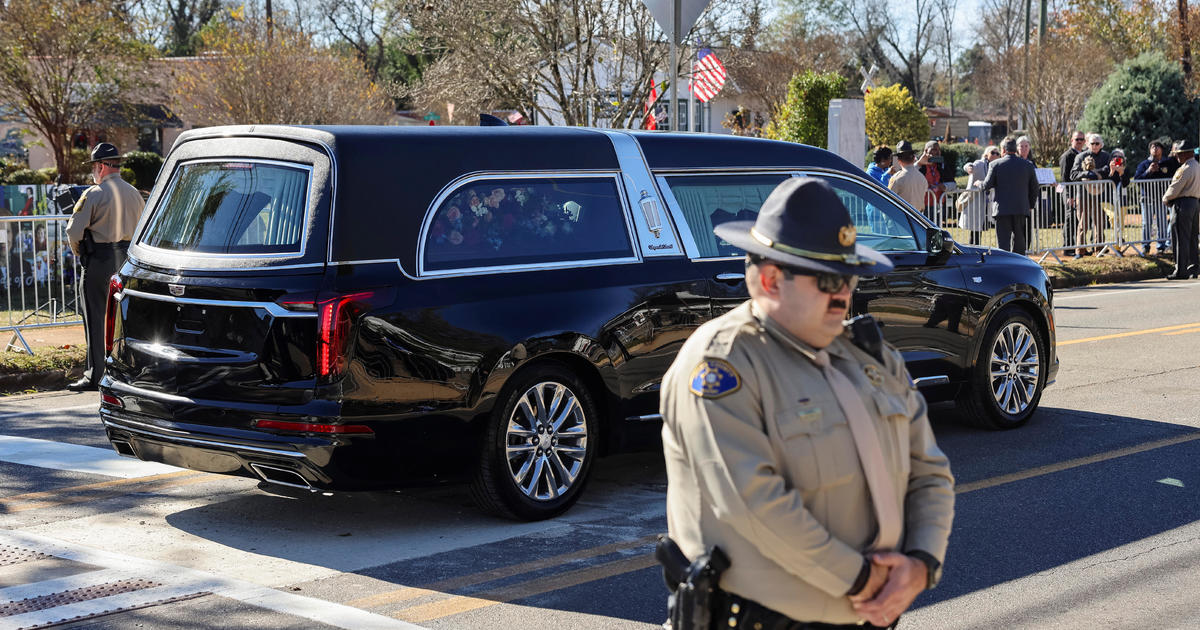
[(817, 443)]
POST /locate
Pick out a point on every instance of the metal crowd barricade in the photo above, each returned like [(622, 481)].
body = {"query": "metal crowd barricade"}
[(1053, 222), (39, 276), (1148, 220)]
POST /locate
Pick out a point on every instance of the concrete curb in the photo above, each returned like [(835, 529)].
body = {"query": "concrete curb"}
[(47, 380)]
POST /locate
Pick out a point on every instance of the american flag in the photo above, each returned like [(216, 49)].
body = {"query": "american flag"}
[(708, 76), (649, 107)]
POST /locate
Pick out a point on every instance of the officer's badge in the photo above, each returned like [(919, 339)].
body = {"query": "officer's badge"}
[(873, 374), (846, 235), (714, 378)]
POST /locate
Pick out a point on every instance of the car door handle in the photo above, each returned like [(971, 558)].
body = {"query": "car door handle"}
[(730, 278)]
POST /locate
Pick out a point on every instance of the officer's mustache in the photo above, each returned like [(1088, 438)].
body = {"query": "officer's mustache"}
[(838, 303)]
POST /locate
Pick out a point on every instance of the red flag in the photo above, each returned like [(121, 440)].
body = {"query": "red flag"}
[(651, 122), (708, 75)]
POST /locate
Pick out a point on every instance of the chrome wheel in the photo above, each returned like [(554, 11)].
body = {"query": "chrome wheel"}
[(1015, 368), (546, 441)]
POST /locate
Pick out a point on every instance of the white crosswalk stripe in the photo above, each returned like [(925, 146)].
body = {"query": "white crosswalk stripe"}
[(76, 458), (175, 582)]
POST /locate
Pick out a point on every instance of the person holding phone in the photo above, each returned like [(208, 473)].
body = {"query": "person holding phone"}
[(930, 165), (1154, 215)]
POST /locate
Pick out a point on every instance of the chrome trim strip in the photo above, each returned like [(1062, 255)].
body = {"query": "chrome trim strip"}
[(637, 177), (274, 309), (318, 265), (165, 434), (929, 381), (728, 276), (654, 417), (449, 189), (308, 212), (376, 261)]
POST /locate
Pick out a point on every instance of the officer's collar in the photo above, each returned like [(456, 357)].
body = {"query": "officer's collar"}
[(776, 329)]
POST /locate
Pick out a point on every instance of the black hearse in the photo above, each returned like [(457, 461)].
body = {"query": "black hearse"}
[(357, 307)]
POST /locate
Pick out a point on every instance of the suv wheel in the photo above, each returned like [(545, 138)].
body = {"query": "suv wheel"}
[(1007, 380), (538, 447)]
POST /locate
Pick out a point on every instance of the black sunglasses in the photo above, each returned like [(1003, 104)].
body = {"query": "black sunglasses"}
[(831, 283)]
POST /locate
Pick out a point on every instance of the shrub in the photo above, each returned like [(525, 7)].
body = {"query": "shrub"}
[(50, 173), (1142, 100), (804, 117), (959, 154), (893, 115), (143, 166), (25, 176)]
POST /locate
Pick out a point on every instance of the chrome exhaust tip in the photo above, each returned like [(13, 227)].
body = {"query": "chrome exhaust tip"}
[(282, 477)]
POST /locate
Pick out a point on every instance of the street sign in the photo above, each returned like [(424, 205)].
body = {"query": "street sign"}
[(432, 116), (689, 12)]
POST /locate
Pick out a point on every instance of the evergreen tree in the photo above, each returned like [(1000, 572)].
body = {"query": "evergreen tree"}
[(804, 117)]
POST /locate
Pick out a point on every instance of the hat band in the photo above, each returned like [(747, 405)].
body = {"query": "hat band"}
[(849, 259)]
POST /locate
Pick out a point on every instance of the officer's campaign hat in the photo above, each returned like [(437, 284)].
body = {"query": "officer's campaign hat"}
[(104, 152), (804, 224), (904, 147), (1183, 146)]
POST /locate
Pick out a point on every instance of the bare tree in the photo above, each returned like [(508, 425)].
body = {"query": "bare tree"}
[(1001, 31), (587, 59), (65, 62), (900, 45), (1054, 101), (243, 79)]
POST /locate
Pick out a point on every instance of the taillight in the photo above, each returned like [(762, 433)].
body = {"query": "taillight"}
[(110, 312), (311, 427), (111, 400), (333, 330)]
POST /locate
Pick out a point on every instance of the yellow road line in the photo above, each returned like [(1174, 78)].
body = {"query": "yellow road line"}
[(103, 490), (456, 605), (1182, 332), (1127, 334), (1073, 463), (412, 592)]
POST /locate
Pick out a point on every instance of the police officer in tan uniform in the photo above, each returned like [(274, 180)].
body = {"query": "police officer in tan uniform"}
[(805, 458), (99, 233), (1183, 198)]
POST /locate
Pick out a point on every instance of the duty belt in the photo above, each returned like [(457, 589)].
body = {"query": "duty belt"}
[(114, 245)]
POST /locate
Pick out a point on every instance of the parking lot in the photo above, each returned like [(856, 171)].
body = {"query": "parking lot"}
[(1087, 517)]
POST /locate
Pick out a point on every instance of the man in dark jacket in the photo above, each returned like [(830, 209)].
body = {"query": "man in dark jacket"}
[(1016, 186), (1154, 214), (1065, 162)]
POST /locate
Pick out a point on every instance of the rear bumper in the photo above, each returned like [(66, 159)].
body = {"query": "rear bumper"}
[(214, 454)]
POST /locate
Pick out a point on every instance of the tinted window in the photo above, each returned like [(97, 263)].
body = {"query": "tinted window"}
[(232, 208), (524, 221), (710, 200), (880, 224)]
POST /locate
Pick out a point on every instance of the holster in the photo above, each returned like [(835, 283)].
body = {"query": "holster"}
[(87, 247), (693, 585)]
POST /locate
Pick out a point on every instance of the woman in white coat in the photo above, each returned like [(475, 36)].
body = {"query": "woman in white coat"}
[(974, 214)]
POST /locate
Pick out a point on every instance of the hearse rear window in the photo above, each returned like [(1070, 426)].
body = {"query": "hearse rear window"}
[(528, 221), (232, 208), (710, 200)]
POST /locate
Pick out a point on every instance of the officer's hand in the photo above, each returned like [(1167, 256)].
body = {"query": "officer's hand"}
[(907, 577), (875, 580)]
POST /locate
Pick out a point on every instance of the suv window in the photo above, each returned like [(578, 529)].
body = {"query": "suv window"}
[(881, 224), (512, 221), (710, 200), (232, 208)]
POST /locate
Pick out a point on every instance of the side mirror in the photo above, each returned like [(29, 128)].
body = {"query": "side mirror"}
[(938, 243)]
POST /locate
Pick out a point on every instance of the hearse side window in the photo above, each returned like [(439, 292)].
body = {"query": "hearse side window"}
[(528, 221), (710, 200), (881, 225), (232, 208)]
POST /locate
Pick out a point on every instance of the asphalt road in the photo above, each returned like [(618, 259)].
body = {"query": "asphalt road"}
[(1087, 517)]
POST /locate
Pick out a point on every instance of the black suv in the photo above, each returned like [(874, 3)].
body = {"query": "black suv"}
[(357, 307)]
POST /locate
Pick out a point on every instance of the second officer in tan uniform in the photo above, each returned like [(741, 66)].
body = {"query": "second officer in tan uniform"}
[(1183, 198), (804, 458), (108, 212)]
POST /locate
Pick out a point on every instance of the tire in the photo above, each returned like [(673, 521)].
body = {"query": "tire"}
[(1008, 378), (522, 477)]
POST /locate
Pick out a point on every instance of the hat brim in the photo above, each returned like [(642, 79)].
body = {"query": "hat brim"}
[(737, 233), (116, 158)]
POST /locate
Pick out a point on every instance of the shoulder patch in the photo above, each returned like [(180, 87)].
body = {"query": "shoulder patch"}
[(714, 378)]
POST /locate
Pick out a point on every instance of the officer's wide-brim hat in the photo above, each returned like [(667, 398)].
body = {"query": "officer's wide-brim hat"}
[(804, 224), (1183, 146), (904, 147), (104, 152)]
